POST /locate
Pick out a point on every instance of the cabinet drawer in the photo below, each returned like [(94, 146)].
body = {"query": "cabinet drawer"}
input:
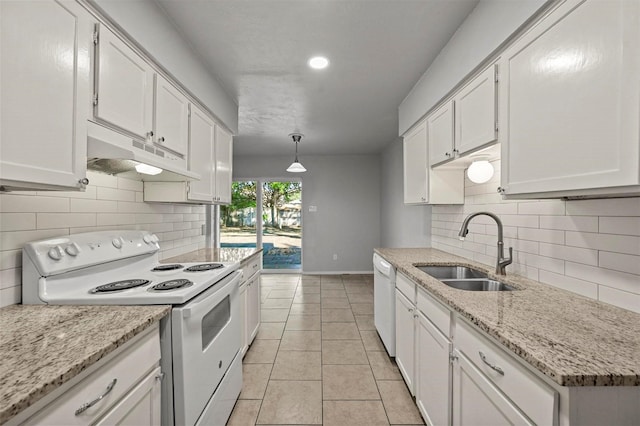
[(435, 311), (250, 267), (127, 369), (535, 398), (406, 287)]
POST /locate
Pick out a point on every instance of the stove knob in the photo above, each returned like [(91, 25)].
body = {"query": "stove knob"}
[(55, 253), (147, 239), (72, 249), (117, 242), (154, 238)]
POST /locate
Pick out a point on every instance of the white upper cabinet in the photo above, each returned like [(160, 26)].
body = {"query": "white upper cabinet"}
[(416, 169), (46, 94), (475, 113), (201, 155), (465, 123), (123, 86), (171, 117), (570, 103), (440, 129), (224, 164)]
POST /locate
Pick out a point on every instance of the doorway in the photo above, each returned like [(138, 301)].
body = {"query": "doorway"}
[(275, 223)]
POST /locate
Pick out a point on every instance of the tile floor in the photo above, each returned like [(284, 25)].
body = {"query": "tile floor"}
[(317, 358)]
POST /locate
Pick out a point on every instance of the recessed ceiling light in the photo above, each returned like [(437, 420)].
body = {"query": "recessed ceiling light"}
[(318, 62)]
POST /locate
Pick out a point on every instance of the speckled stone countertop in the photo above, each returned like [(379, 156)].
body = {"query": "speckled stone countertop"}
[(573, 340), (224, 254), (42, 346)]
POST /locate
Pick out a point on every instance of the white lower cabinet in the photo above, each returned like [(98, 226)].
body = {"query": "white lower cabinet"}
[(433, 378), (405, 339), (243, 318), (250, 299)]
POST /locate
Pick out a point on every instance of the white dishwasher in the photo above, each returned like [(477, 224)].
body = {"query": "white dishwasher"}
[(384, 302)]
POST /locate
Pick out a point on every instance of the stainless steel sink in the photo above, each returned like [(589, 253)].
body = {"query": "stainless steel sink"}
[(464, 278), (452, 272), (478, 285)]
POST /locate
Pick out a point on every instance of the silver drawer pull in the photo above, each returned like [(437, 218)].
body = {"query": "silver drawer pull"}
[(88, 405), (493, 366)]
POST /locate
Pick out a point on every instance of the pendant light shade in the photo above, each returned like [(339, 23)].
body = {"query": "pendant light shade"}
[(296, 166)]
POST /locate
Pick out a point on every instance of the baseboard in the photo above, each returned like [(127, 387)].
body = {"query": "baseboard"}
[(337, 272)]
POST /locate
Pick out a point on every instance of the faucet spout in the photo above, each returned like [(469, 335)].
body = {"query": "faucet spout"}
[(501, 262)]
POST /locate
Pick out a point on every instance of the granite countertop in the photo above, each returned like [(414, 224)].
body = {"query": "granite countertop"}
[(574, 340), (44, 346), (224, 254)]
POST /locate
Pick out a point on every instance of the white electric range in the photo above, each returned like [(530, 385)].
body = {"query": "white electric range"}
[(200, 340)]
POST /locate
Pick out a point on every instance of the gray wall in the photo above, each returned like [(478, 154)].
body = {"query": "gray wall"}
[(145, 22), (485, 29), (346, 191), (402, 226)]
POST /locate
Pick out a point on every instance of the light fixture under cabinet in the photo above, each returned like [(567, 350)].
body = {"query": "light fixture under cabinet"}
[(147, 169), (480, 170)]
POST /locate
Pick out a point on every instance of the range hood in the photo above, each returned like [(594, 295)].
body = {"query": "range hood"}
[(114, 153)]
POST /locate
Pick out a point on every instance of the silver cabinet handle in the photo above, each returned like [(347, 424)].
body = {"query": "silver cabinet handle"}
[(84, 407), (84, 181), (447, 154), (161, 139), (492, 366)]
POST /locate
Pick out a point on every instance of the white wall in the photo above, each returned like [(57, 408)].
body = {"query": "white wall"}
[(109, 202), (145, 22), (590, 247), (485, 29), (403, 226), (346, 191)]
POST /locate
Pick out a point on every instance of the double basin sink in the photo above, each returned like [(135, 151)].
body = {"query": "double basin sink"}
[(464, 278)]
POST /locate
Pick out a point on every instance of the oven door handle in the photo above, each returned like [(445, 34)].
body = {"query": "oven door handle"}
[(189, 311)]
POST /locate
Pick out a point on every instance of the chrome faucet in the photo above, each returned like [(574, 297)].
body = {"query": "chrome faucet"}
[(501, 262)]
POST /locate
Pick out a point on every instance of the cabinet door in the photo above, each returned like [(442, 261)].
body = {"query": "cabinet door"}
[(433, 378), (140, 407), (477, 402), (224, 164), (416, 170), (201, 146), (45, 76), (243, 317), (570, 107), (253, 307), (124, 86), (405, 339), (475, 113), (440, 134), (171, 116)]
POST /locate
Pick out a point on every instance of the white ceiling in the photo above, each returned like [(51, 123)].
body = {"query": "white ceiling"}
[(258, 50)]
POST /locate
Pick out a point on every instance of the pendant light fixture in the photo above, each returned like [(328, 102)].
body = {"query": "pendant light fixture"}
[(296, 166)]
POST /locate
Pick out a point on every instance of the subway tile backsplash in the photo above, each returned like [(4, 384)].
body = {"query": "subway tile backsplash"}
[(589, 247), (109, 202)]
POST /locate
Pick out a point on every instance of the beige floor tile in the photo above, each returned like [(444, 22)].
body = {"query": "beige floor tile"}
[(343, 382), (343, 352), (337, 315), (284, 286), (383, 367), (274, 315), (307, 298), (358, 288), (398, 403), (362, 308), (308, 290), (245, 413), (365, 322), (270, 330), (326, 279), (303, 322), (297, 365), (332, 286), (335, 302), (262, 352), (332, 293), (353, 413), (276, 303), (360, 298), (305, 308), (371, 341), (254, 381), (282, 294), (292, 402), (301, 341), (340, 331)]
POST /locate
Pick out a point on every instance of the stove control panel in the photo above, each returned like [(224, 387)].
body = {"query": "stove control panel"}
[(64, 254)]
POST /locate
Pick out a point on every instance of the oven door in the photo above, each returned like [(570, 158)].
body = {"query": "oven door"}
[(206, 337)]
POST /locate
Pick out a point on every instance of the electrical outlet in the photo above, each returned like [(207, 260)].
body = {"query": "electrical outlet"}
[(335, 256)]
